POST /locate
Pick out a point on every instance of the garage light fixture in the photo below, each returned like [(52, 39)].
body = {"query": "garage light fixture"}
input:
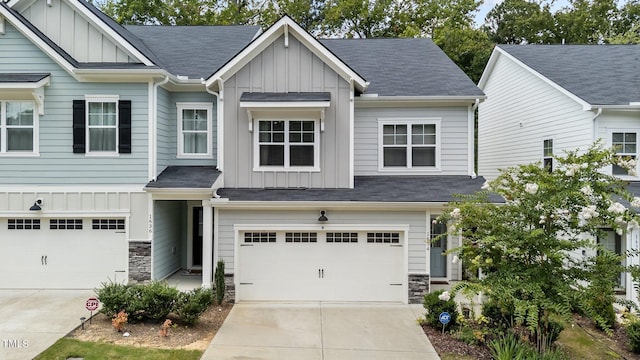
[(37, 206), (322, 217)]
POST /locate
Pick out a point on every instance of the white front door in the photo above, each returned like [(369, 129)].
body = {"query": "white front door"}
[(62, 253), (322, 266)]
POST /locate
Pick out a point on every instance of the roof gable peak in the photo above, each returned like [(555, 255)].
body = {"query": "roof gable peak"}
[(286, 27)]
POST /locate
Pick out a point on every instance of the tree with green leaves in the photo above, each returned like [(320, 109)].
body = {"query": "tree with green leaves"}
[(587, 21), (520, 22), (529, 249)]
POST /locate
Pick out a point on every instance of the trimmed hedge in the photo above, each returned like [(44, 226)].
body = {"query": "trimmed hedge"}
[(153, 301)]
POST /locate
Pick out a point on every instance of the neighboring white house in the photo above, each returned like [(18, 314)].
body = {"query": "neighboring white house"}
[(313, 168), (543, 100)]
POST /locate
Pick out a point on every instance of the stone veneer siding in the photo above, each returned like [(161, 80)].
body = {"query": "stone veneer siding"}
[(229, 288), (139, 262), (418, 287)]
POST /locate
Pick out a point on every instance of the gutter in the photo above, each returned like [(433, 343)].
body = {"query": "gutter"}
[(593, 124), (219, 122), (471, 137), (313, 205)]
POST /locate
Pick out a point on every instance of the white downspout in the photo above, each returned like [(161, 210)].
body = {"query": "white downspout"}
[(471, 138), (153, 131), (219, 122), (593, 124)]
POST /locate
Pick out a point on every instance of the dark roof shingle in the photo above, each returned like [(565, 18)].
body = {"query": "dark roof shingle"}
[(21, 77), (185, 177), (427, 189), (598, 74)]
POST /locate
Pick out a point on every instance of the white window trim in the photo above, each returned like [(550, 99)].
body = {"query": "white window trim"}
[(610, 144), (553, 150), (194, 106), (408, 121), (35, 152), (102, 99), (316, 146)]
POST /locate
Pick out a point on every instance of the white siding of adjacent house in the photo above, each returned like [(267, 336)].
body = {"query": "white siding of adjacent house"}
[(416, 220), (74, 33), (521, 111), (454, 145), (291, 69)]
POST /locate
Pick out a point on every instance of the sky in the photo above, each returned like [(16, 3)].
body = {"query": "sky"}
[(489, 4)]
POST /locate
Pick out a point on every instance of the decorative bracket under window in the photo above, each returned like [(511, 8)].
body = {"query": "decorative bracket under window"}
[(322, 120), (250, 117), (38, 96), (286, 35)]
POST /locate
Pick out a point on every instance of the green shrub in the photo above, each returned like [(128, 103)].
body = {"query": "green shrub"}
[(435, 306), (113, 297), (158, 299), (219, 281), (605, 273), (193, 303), (500, 318), (633, 333), (549, 334), (508, 347)]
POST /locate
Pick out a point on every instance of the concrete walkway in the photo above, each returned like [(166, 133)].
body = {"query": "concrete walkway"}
[(32, 320), (321, 331)]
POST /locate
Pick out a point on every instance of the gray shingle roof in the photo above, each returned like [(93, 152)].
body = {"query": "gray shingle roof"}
[(288, 96), (428, 189), (21, 77), (598, 74), (403, 67), (194, 51), (189, 177)]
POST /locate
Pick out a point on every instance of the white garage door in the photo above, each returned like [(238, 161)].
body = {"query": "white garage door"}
[(61, 253), (325, 266)]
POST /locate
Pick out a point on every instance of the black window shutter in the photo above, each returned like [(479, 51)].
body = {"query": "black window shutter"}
[(79, 127), (124, 126)]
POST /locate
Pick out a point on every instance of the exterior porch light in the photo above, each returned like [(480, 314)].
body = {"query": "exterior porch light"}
[(323, 217), (37, 206)]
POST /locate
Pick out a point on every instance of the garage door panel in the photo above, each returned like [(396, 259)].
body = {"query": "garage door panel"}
[(61, 256), (336, 267)]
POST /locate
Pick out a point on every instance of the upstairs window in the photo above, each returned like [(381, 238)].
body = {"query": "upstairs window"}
[(288, 144), (625, 145), (195, 130), (18, 127), (547, 154), (409, 144), (102, 125)]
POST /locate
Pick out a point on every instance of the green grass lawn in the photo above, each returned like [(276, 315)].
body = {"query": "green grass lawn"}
[(66, 347), (580, 345)]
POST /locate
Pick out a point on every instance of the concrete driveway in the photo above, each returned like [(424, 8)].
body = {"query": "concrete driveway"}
[(32, 320), (321, 331)]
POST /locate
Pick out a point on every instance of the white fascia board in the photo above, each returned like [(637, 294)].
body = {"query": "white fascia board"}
[(274, 32), (284, 104), (71, 188), (585, 105), (26, 85), (224, 203), (54, 213), (180, 194), (36, 40), (488, 69), (471, 98), (113, 35), (119, 75)]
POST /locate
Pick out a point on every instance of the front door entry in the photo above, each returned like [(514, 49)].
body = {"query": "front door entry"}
[(196, 253), (438, 247)]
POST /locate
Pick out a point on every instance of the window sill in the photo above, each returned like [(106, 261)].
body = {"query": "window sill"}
[(102, 154), (285, 169), (19, 154), (195, 156), (413, 170)]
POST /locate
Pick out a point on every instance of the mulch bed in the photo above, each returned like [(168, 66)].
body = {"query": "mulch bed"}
[(447, 344)]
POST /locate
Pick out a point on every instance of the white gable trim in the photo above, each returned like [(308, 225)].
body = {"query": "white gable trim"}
[(286, 27), (497, 51), (36, 40), (112, 34)]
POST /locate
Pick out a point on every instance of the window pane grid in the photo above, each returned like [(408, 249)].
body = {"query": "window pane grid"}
[(344, 237), (625, 145), (23, 224), (195, 131), (259, 237), (288, 143), (107, 224), (383, 238), (65, 224), (102, 126), (301, 237), (18, 127), (409, 146)]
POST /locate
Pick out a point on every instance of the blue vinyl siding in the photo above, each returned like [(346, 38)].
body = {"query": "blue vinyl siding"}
[(57, 164), (169, 229)]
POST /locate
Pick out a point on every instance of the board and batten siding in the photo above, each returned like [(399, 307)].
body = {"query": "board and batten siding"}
[(454, 146), (292, 69), (521, 111), (416, 220), (169, 233), (74, 33), (88, 203), (57, 164)]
